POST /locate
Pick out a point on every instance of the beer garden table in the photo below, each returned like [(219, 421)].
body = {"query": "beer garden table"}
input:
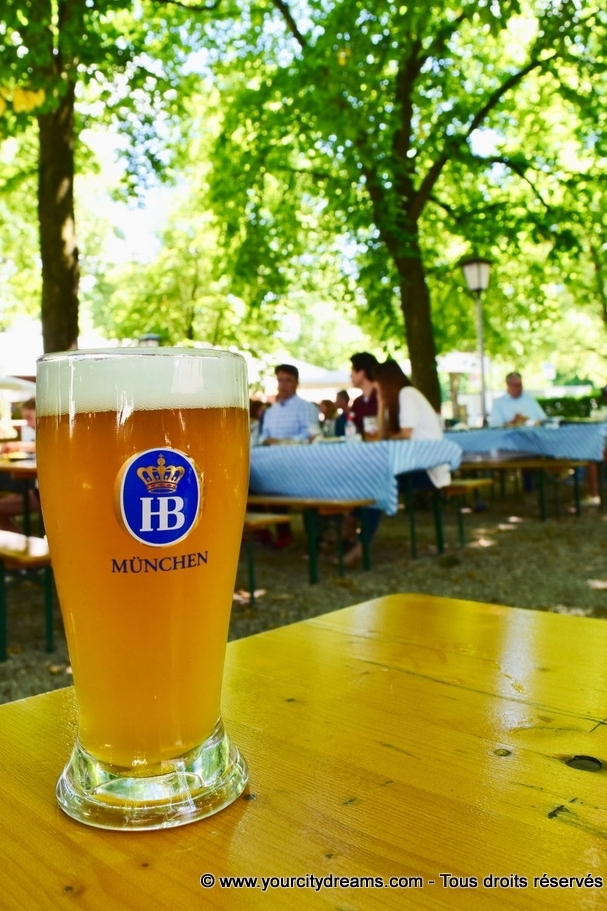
[(496, 448), (346, 470), (569, 441), (409, 751), (25, 471)]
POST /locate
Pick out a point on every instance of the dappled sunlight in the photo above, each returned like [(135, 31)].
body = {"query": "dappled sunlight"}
[(597, 583), (572, 611), (244, 597), (483, 542)]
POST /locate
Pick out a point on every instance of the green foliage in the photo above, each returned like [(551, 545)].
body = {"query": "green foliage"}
[(571, 406), (359, 114), (347, 143), (19, 265)]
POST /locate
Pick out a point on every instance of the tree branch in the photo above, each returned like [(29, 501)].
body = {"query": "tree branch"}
[(191, 7), (501, 90), (519, 170), (427, 184), (285, 12)]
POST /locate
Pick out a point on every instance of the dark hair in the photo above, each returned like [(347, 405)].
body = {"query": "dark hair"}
[(328, 408), (391, 379), (256, 408), (343, 394), (365, 362), (30, 405), (287, 368)]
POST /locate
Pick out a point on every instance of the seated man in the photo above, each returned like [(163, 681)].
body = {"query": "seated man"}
[(27, 441), (11, 503), (516, 407), (290, 418), (362, 376)]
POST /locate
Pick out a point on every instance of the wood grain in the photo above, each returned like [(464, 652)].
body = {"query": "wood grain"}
[(409, 736)]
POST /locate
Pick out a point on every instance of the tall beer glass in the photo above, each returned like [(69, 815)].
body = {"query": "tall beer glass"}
[(143, 469)]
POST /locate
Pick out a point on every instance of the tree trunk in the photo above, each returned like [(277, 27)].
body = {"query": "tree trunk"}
[(415, 307), (59, 253), (400, 234)]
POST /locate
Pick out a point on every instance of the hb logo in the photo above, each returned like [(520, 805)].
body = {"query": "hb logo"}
[(159, 497)]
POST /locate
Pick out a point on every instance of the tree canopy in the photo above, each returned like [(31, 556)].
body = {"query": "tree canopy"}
[(346, 153), (419, 132)]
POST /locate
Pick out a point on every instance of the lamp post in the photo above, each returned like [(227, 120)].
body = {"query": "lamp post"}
[(149, 340), (476, 273)]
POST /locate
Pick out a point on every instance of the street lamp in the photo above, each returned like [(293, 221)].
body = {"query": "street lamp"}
[(149, 340), (476, 273)]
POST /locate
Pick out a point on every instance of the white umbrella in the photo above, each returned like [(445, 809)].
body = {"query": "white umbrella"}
[(17, 390)]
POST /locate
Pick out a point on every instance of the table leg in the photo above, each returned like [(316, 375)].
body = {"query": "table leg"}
[(576, 493), (410, 507), (27, 516), (251, 567), (364, 536), (310, 519), (541, 483), (340, 543), (438, 520)]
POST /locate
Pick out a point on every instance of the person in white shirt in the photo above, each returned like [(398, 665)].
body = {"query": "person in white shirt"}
[(516, 407), (405, 414)]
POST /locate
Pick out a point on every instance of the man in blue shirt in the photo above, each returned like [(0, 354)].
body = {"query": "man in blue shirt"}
[(516, 407), (290, 417)]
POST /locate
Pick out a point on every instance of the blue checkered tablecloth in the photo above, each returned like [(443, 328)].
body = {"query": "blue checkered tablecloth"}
[(571, 441), (346, 470)]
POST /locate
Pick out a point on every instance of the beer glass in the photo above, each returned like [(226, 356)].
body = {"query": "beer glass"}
[(370, 429), (143, 462)]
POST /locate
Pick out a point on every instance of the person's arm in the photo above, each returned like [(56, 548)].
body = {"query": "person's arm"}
[(538, 412), (408, 414), (403, 434), (383, 428), (496, 419)]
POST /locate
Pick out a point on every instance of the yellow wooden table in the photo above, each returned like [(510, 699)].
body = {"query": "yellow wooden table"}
[(421, 742)]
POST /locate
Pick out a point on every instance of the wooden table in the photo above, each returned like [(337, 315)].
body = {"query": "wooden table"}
[(26, 471), (312, 508), (413, 737), (540, 468), (346, 471)]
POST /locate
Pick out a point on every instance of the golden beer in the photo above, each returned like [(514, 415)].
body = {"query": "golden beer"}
[(146, 622)]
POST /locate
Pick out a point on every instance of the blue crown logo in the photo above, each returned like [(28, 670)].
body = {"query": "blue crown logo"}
[(161, 477), (158, 496)]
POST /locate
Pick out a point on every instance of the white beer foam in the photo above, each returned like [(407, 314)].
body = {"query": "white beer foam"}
[(120, 379)]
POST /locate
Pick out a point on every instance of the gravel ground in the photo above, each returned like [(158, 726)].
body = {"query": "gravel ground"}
[(511, 558)]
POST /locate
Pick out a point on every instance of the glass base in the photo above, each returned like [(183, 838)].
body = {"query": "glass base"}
[(176, 792)]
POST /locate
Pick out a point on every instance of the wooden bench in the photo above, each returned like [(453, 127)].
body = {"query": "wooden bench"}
[(542, 468), (312, 509), (458, 490), (25, 556), (255, 521)]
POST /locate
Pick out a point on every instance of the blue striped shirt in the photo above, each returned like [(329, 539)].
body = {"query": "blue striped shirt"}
[(287, 420)]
